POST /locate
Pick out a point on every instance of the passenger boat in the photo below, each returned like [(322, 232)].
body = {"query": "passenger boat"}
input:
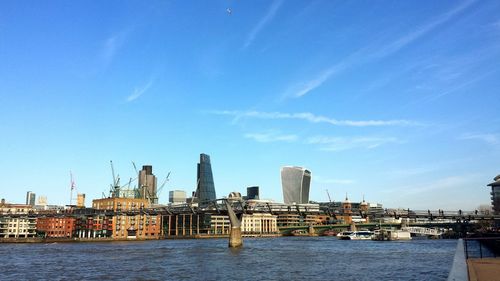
[(391, 235), (355, 235)]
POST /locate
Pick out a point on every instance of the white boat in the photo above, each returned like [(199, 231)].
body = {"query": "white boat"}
[(355, 235), (391, 235)]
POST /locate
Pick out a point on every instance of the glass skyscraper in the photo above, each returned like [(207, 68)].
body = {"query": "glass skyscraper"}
[(30, 198), (295, 182), (253, 192), (205, 190)]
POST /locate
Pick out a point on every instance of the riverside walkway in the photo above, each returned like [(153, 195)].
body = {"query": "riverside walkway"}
[(485, 269), (482, 259), (476, 259)]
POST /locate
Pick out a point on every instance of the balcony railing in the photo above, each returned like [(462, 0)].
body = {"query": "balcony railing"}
[(484, 247)]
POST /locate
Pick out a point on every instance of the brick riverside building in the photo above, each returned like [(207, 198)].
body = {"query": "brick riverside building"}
[(56, 227), (94, 226), (126, 224)]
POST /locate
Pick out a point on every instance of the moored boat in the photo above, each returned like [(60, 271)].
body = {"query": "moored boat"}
[(355, 235), (391, 235)]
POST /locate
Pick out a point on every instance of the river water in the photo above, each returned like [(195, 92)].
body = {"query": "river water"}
[(283, 258)]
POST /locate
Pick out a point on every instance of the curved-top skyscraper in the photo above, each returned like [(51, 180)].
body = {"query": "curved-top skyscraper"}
[(205, 190), (295, 182)]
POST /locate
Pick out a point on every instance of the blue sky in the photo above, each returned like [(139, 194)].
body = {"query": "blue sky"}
[(396, 100)]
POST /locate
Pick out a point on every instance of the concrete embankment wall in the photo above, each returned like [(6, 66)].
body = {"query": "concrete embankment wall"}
[(21, 240), (64, 240), (458, 270), (68, 240)]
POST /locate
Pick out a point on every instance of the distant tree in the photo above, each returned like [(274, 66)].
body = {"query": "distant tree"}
[(485, 209)]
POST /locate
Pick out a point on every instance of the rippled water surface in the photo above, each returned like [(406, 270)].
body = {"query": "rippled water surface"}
[(284, 258)]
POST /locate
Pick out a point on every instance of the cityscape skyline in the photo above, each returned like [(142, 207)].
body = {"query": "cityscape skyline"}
[(392, 101)]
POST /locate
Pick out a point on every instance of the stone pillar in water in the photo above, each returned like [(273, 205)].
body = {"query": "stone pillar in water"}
[(235, 239), (312, 232)]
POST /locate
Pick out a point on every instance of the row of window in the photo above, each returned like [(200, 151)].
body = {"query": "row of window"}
[(21, 225), (58, 232), (24, 230), (55, 226), (123, 233)]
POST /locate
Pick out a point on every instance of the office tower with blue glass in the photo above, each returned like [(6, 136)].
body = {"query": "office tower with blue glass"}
[(30, 198), (205, 190), (295, 182), (253, 192)]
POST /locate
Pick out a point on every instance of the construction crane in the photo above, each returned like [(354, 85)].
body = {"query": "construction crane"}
[(158, 191), (73, 186), (135, 168), (129, 182), (136, 174), (116, 181), (332, 214), (113, 173), (328, 193)]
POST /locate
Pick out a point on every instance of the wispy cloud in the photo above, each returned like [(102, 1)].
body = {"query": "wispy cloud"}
[(310, 85), (439, 184), (139, 91), (322, 180), (271, 137), (302, 89), (404, 173), (346, 143), (111, 45), (422, 30), (459, 86), (314, 118), (375, 52), (271, 12), (497, 24), (417, 193), (488, 138)]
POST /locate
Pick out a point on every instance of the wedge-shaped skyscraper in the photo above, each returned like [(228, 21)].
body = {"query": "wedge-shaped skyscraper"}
[(295, 182), (205, 190)]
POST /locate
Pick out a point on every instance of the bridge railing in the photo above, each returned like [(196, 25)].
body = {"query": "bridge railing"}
[(423, 230), (434, 214)]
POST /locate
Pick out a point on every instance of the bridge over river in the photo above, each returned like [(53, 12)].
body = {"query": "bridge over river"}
[(438, 219), (243, 207), (319, 229)]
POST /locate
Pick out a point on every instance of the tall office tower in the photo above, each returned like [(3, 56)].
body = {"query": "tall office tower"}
[(147, 184), (495, 195), (295, 182), (205, 190), (80, 200), (30, 198), (252, 192), (177, 196)]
